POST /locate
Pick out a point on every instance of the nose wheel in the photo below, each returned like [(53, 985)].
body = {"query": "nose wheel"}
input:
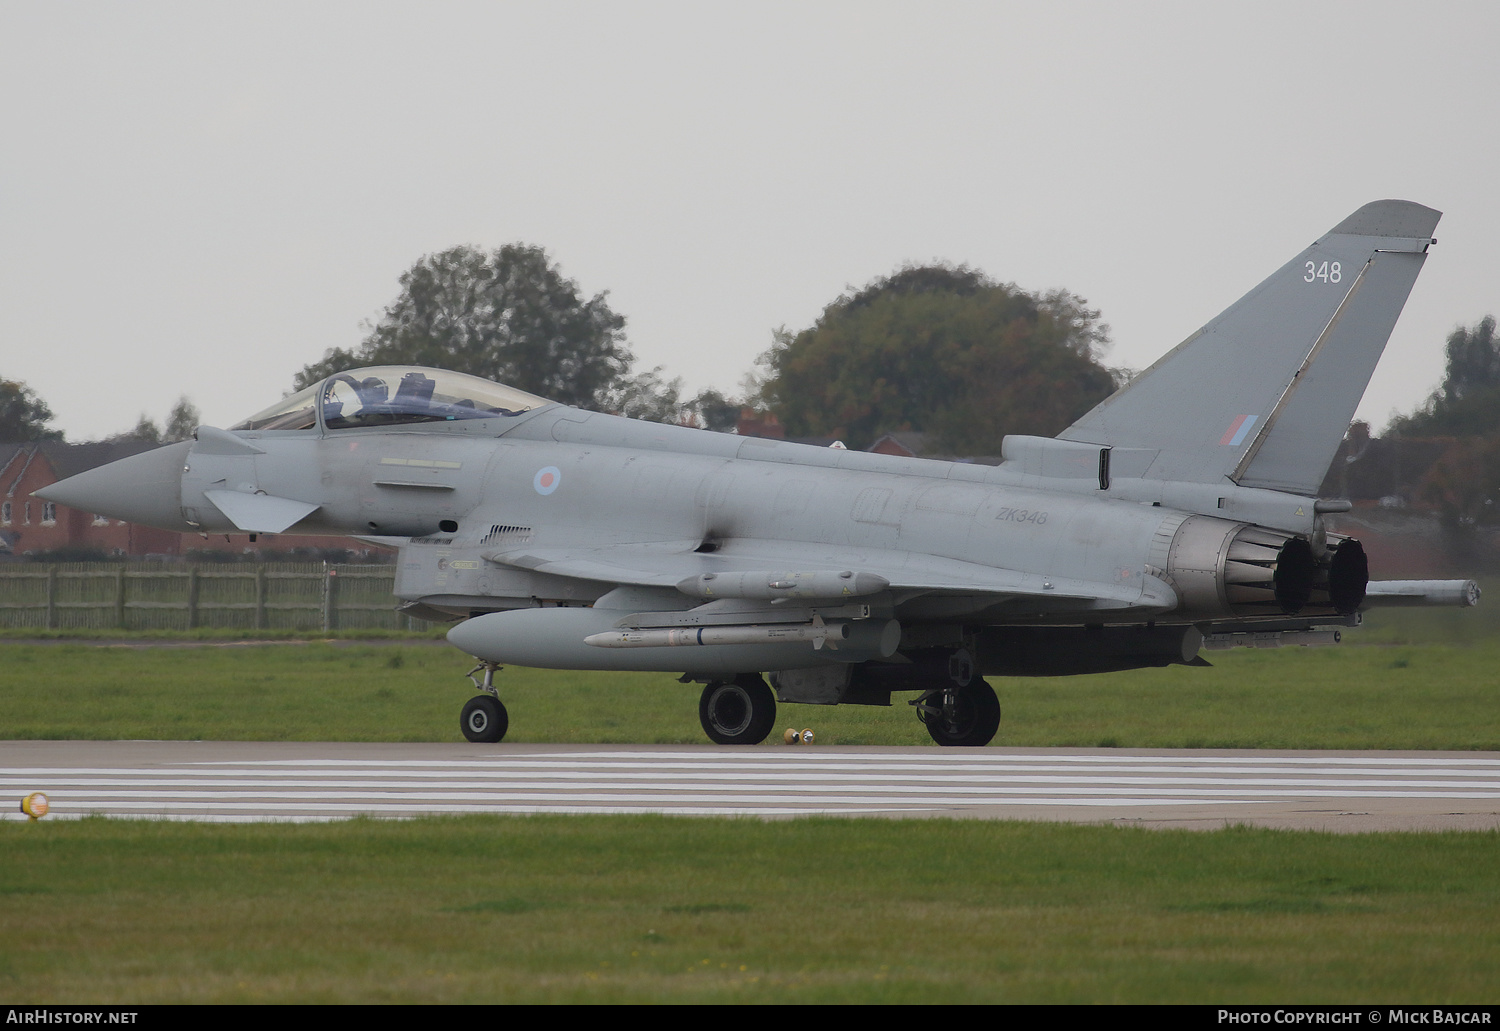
[(484, 720)]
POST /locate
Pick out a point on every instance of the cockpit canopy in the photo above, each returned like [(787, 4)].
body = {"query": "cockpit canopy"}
[(391, 395)]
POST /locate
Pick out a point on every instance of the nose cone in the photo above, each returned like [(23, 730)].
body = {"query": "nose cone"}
[(144, 488)]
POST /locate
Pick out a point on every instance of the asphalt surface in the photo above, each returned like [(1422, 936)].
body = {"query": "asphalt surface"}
[(1199, 789)]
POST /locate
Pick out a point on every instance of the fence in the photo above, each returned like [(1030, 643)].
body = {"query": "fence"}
[(283, 595)]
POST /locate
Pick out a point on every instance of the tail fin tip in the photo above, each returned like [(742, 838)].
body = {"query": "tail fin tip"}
[(1403, 219)]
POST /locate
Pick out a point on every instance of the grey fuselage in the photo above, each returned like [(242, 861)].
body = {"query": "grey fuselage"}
[(696, 501)]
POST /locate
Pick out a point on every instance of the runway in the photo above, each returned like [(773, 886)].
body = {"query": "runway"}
[(247, 781)]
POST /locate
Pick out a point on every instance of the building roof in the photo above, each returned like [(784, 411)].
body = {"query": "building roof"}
[(71, 459)]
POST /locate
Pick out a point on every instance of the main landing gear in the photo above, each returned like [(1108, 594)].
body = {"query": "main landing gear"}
[(964, 710), (960, 715), (739, 712), (484, 719)]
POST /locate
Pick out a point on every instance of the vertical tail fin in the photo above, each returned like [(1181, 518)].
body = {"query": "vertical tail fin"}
[(1263, 394)]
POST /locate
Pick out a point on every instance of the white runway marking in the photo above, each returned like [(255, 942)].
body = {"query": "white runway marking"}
[(177, 781)]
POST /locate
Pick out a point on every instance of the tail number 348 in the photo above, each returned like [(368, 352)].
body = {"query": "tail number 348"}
[(1328, 272)]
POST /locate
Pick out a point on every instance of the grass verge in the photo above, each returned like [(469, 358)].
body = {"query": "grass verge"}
[(210, 634), (663, 909), (1351, 697)]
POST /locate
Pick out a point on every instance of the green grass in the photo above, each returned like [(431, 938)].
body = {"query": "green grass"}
[(1350, 697), (213, 634), (1439, 625), (658, 909)]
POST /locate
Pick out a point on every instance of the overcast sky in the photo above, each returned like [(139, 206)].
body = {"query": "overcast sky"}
[(201, 198)]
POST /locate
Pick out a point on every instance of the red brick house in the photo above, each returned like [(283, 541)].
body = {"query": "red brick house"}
[(29, 524)]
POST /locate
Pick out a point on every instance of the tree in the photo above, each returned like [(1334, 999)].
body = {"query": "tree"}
[(1464, 484), (1467, 403), (511, 316), (941, 349), (715, 411), (646, 396), (23, 415), (145, 429), (181, 422)]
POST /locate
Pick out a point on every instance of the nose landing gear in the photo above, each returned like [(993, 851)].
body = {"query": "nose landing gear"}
[(484, 719)]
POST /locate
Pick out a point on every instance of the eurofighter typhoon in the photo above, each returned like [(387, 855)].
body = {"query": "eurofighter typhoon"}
[(1180, 513)]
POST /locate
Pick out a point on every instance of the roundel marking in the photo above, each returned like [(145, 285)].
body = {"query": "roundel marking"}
[(546, 480)]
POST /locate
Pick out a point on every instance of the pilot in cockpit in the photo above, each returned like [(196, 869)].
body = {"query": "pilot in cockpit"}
[(372, 391)]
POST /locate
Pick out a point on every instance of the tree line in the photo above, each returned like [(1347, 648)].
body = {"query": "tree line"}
[(24, 417), (1464, 484)]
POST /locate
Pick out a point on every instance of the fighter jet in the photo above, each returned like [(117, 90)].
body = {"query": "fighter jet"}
[(1180, 513)]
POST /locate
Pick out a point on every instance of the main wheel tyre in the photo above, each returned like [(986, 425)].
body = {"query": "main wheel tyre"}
[(738, 713), (484, 719), (973, 719)]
